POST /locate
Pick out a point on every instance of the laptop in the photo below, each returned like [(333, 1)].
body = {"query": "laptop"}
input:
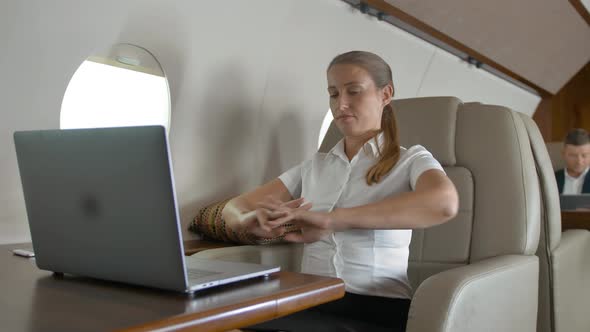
[(101, 203), (574, 202)]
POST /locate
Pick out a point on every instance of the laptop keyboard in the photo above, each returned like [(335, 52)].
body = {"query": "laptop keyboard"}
[(197, 274)]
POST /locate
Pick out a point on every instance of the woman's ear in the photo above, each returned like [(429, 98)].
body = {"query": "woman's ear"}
[(387, 94)]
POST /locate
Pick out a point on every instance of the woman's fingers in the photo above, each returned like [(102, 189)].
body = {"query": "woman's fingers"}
[(262, 219), (306, 206), (273, 203), (296, 237), (275, 232), (280, 221), (274, 215), (267, 219), (294, 203), (268, 205)]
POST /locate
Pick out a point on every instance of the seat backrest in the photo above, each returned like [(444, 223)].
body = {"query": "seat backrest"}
[(550, 235), (485, 151), (550, 210)]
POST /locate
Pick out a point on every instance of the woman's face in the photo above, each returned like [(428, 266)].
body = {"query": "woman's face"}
[(356, 103)]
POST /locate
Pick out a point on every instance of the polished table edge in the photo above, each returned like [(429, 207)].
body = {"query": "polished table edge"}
[(252, 311)]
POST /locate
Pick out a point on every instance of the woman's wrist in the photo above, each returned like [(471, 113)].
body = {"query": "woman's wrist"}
[(336, 221), (235, 231), (231, 217)]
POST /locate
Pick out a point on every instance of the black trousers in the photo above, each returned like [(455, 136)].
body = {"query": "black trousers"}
[(352, 313)]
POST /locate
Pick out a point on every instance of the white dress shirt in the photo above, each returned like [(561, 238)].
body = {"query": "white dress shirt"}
[(370, 261), (572, 185)]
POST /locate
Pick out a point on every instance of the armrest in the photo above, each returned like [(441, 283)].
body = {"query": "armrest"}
[(288, 256), (495, 294), (571, 280)]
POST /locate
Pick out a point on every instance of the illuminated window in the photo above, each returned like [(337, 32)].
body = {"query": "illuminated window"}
[(325, 125), (115, 95)]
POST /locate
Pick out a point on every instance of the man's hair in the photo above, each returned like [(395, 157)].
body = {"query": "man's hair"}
[(577, 136)]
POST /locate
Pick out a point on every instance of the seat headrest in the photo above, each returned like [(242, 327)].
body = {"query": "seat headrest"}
[(428, 121)]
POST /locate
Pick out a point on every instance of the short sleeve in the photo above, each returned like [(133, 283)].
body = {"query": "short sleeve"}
[(292, 179), (422, 161)]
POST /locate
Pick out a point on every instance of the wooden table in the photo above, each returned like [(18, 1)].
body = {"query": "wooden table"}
[(35, 300), (575, 219)]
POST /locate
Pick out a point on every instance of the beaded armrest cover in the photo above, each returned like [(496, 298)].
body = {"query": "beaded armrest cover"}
[(209, 223)]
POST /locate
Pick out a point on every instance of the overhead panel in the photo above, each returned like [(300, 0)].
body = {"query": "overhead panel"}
[(544, 41)]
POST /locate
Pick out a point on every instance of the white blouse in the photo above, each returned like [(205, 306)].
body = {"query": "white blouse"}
[(572, 185), (370, 261)]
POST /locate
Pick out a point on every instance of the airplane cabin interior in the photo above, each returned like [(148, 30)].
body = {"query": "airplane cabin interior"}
[(295, 165)]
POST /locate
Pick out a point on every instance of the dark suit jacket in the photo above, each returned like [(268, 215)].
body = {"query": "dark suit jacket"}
[(560, 177)]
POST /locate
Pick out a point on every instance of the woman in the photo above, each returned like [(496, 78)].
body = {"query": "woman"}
[(354, 207)]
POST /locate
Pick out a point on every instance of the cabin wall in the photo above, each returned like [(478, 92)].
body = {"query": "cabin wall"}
[(247, 81)]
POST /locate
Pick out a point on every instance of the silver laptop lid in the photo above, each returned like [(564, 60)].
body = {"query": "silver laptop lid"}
[(101, 203)]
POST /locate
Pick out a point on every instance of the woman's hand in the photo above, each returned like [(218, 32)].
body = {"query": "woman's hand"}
[(253, 223), (312, 226), (270, 215)]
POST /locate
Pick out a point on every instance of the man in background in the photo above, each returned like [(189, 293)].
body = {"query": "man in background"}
[(573, 179)]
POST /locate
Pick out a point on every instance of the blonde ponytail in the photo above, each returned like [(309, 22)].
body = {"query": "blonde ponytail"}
[(389, 152)]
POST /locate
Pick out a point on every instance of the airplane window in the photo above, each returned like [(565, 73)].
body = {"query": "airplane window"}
[(124, 86), (325, 125)]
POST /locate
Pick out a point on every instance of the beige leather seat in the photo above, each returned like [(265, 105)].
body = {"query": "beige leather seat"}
[(479, 271), (564, 285)]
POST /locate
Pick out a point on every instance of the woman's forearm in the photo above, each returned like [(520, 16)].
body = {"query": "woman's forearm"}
[(242, 208), (435, 201), (235, 212), (405, 211)]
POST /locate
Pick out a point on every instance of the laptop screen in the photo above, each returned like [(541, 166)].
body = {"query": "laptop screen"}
[(574, 202), (101, 203)]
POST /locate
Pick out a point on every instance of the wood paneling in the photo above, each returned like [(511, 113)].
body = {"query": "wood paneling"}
[(543, 118), (575, 220), (569, 108)]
